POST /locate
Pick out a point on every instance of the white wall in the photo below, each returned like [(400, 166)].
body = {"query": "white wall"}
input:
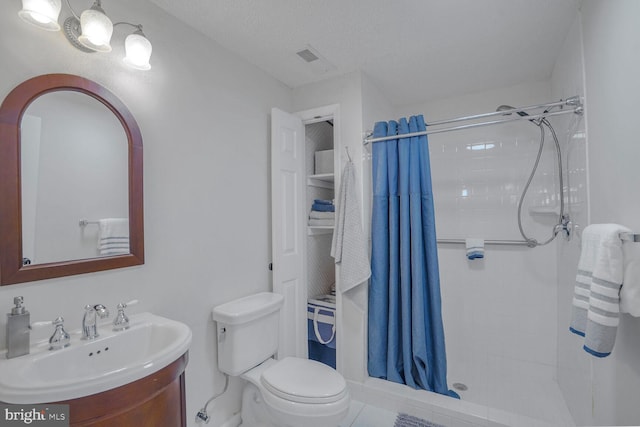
[(604, 391), (204, 117), (574, 364)]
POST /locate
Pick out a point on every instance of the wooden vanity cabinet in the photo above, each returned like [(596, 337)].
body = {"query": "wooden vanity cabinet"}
[(157, 400)]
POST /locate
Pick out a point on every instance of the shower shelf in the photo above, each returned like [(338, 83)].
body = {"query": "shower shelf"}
[(544, 210), (323, 180), (554, 210), (313, 230)]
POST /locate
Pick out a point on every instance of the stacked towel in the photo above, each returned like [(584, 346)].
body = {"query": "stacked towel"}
[(596, 302), (322, 213), (320, 205), (475, 248), (113, 238)]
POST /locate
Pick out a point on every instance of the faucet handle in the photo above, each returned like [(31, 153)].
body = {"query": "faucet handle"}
[(121, 321), (60, 338), (101, 310)]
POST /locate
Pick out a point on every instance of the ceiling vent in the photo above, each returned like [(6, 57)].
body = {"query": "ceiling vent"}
[(307, 55), (318, 64)]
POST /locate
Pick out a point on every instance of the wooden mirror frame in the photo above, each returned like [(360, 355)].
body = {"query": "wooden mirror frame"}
[(11, 112)]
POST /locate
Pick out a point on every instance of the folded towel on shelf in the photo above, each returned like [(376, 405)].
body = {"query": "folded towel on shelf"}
[(349, 245), (596, 300), (321, 222), (113, 236), (322, 215), (630, 291), (323, 202), (321, 207), (475, 248)]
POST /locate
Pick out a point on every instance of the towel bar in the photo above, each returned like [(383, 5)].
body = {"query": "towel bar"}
[(488, 242), (85, 222), (630, 237)]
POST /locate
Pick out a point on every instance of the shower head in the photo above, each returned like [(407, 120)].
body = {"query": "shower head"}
[(509, 108)]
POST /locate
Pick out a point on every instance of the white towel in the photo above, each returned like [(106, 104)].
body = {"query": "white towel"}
[(113, 237), (475, 248), (596, 302), (630, 291), (322, 215), (321, 222), (349, 244)]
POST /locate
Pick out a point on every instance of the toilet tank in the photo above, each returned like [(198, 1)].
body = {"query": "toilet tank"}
[(247, 331)]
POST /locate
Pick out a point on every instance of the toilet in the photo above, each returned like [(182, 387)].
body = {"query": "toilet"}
[(290, 392)]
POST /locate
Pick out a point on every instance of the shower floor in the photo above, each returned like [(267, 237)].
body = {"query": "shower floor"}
[(528, 403), (516, 387)]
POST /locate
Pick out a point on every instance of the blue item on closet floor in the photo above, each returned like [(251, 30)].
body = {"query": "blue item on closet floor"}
[(321, 332)]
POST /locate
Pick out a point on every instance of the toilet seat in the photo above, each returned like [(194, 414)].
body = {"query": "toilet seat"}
[(304, 381)]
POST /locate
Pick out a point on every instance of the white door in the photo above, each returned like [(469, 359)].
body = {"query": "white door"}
[(288, 225)]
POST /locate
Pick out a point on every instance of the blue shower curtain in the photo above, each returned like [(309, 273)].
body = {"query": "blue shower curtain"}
[(406, 336)]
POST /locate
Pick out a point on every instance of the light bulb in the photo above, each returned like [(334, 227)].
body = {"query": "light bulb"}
[(138, 50), (41, 13), (97, 29)]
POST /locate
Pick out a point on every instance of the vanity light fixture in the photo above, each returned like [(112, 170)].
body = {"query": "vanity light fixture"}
[(89, 32)]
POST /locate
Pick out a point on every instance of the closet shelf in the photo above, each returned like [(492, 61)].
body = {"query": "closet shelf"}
[(319, 229), (323, 180)]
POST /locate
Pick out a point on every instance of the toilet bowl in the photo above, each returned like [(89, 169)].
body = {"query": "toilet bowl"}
[(290, 392), (294, 392)]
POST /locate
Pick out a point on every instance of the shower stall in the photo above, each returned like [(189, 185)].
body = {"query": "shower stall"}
[(514, 177)]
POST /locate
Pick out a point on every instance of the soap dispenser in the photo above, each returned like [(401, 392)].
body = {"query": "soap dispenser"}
[(18, 330)]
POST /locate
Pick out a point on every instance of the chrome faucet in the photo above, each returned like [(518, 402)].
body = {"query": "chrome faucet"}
[(90, 320)]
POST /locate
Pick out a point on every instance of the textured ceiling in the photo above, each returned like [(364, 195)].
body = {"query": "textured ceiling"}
[(414, 50)]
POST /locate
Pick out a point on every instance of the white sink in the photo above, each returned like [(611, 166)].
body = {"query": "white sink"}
[(93, 366)]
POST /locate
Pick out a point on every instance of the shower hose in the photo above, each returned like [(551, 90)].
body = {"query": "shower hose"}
[(531, 242)]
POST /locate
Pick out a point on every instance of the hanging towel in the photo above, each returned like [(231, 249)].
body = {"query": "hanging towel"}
[(475, 248), (630, 291), (349, 244), (596, 301), (113, 237)]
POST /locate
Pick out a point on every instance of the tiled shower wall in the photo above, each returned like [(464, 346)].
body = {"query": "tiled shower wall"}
[(500, 313)]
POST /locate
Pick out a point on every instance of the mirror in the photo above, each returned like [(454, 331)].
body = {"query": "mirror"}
[(70, 181)]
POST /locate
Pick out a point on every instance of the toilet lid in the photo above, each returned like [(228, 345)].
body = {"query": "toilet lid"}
[(303, 380)]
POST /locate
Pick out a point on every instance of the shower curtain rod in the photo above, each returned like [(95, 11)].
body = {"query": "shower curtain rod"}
[(575, 102)]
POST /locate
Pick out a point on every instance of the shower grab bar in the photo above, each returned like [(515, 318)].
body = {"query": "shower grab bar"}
[(488, 242), (575, 102)]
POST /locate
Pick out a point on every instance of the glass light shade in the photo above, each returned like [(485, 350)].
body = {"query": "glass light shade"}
[(138, 51), (41, 13), (97, 29)]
